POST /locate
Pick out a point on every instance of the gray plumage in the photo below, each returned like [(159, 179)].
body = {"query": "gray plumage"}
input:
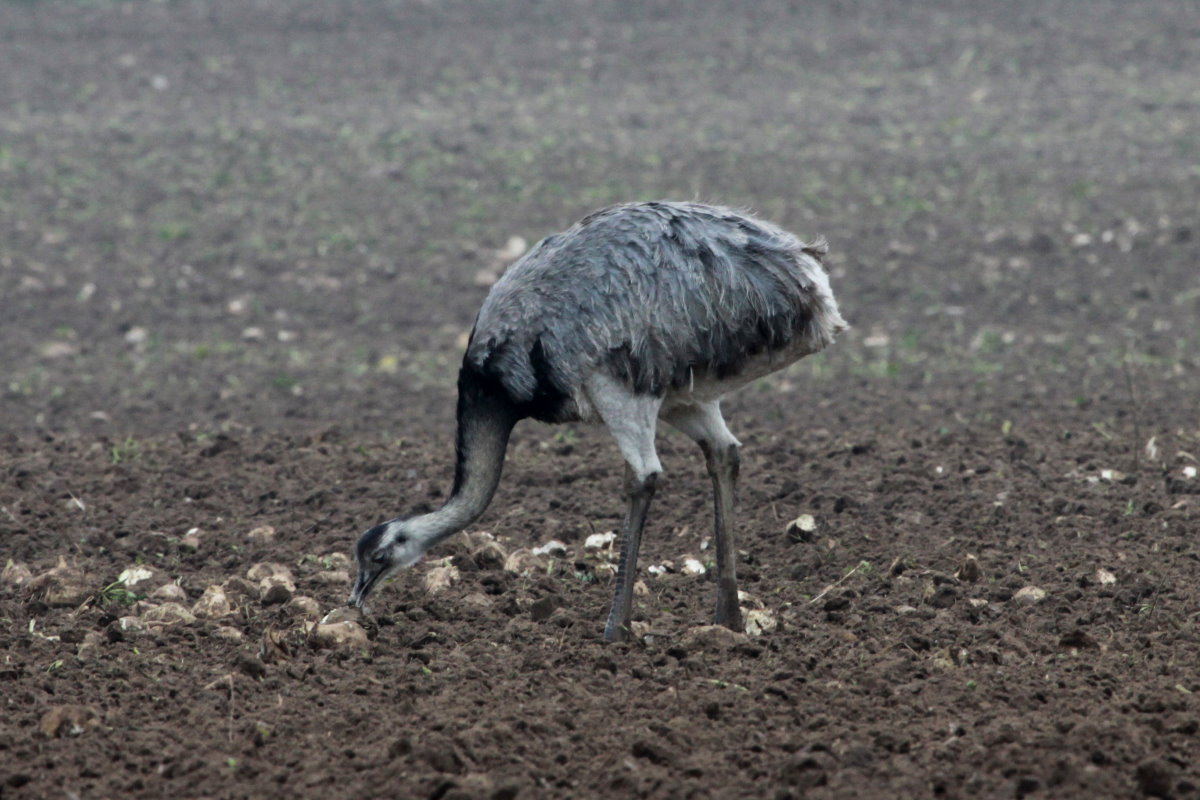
[(637, 313), (653, 293)]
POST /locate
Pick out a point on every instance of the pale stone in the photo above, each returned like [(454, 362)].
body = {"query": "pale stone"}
[(333, 577), (600, 541), (263, 534), (15, 574), (344, 635), (1030, 595), (213, 604), (270, 569), (759, 621), (553, 548), (523, 562), (137, 576), (227, 633), (306, 607), (168, 614), (439, 578), (169, 593), (62, 586)]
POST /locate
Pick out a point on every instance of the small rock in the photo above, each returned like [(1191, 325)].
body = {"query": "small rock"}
[(1030, 595), (514, 248), (213, 604), (640, 589), (802, 528), (190, 540), (600, 541), (275, 590), (712, 638), (270, 569), (226, 633), (977, 602), (15, 574), (553, 548), (332, 577), (1105, 578), (604, 571), (523, 562), (67, 721), (969, 571), (339, 635), (305, 607), (759, 621), (137, 576), (747, 600), (130, 625), (440, 578), (639, 629), (168, 614), (693, 567), (60, 587), (169, 593), (263, 534)]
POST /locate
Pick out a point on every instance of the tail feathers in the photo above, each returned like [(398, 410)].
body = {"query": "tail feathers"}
[(818, 248)]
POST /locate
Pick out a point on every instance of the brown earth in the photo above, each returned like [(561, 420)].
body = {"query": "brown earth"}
[(239, 251)]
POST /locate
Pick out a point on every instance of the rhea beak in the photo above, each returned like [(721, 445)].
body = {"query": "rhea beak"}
[(367, 578)]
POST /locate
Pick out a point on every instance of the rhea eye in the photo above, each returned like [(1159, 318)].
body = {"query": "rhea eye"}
[(380, 558)]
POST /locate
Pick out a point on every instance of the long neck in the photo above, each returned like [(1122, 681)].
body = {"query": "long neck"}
[(485, 419)]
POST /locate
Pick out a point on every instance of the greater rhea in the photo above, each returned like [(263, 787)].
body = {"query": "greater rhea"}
[(637, 313)]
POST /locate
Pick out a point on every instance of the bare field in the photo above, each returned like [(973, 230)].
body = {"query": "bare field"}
[(240, 249)]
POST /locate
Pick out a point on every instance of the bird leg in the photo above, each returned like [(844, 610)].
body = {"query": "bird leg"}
[(640, 493), (723, 463)]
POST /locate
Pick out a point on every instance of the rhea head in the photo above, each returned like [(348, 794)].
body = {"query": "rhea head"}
[(381, 552)]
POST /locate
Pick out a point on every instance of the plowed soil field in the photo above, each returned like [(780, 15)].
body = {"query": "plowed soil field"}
[(241, 246)]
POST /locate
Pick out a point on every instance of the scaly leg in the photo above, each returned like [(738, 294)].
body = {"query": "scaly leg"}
[(723, 463), (640, 494), (703, 423), (631, 418)]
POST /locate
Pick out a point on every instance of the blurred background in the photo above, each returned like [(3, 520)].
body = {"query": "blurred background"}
[(285, 214)]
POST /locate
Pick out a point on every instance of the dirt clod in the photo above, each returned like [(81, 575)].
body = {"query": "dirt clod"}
[(168, 614), (213, 604), (61, 587), (711, 638), (339, 635), (1155, 778), (969, 571), (67, 721)]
